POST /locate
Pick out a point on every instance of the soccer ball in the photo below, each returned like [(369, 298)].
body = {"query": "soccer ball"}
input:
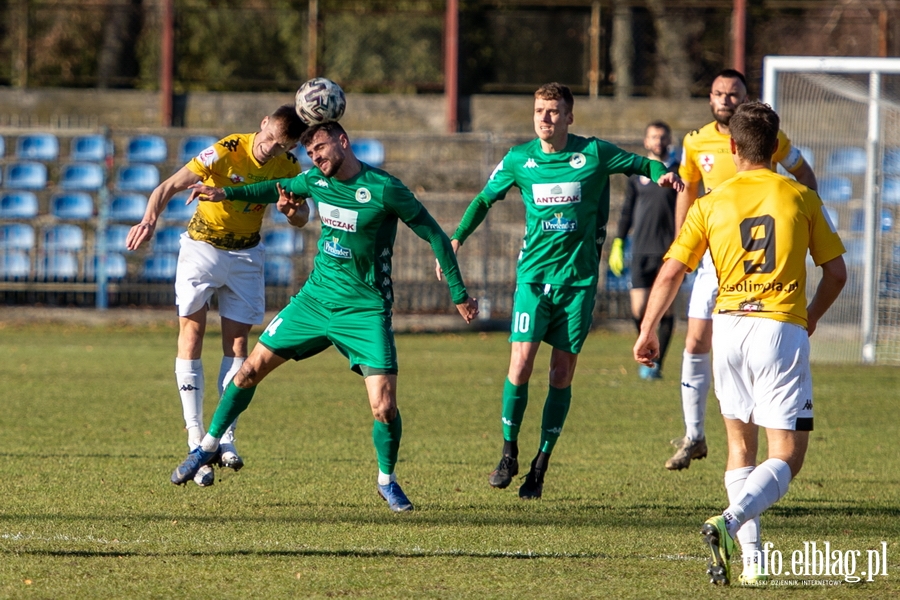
[(320, 100)]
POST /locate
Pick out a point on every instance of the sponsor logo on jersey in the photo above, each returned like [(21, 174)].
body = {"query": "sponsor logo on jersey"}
[(208, 157), (751, 287), (496, 170), (338, 218), (530, 164), (322, 183), (559, 223), (549, 194), (235, 178), (707, 162), (231, 144), (751, 306), (334, 248), (363, 195), (577, 161)]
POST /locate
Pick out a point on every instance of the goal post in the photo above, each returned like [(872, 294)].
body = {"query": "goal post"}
[(844, 112)]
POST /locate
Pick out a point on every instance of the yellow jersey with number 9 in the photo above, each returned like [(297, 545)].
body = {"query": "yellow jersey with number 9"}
[(233, 224), (706, 155), (758, 226)]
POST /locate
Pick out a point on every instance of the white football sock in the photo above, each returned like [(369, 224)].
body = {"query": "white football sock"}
[(189, 377), (748, 534), (766, 485), (696, 378), (209, 443), (384, 478), (227, 370)]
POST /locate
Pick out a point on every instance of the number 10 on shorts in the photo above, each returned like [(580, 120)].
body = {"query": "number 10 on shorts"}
[(521, 322)]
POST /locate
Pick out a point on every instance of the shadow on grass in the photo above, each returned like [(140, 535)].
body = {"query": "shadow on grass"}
[(335, 553)]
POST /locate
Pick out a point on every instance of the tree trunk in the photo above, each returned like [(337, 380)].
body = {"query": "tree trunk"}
[(622, 51), (673, 62)]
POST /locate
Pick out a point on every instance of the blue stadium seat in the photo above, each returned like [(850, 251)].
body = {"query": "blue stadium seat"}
[(890, 281), (116, 266), (177, 211), (369, 151), (72, 205), (137, 178), (891, 163), (67, 238), (16, 236), (890, 191), (90, 148), (2, 147), (835, 189), (116, 236), (168, 239), (127, 207), (15, 264), (26, 176), (193, 145), (283, 240), (848, 160), (37, 146), (279, 270), (160, 267), (146, 149), (887, 219), (59, 265), (18, 205), (81, 176)]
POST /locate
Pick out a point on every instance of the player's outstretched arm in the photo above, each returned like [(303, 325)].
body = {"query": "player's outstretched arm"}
[(663, 293), (437, 265), (834, 276), (671, 180), (294, 207), (804, 174), (683, 202), (205, 193), (157, 203)]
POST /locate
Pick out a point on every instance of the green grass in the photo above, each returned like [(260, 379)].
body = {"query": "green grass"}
[(90, 429)]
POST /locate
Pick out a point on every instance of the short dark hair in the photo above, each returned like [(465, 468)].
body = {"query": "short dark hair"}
[(556, 91), (754, 129), (732, 74), (332, 128), (658, 125), (292, 126)]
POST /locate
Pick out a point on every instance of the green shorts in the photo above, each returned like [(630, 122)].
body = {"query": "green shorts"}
[(306, 327), (558, 315)]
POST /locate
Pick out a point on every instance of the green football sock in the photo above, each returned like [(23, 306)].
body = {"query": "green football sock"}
[(515, 400), (555, 410), (234, 401), (386, 437)]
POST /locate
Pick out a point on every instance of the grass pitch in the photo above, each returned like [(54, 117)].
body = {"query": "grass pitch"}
[(91, 428)]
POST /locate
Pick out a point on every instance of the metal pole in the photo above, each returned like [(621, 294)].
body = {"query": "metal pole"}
[(594, 74), (739, 34), (451, 65), (312, 45), (872, 222), (167, 61)]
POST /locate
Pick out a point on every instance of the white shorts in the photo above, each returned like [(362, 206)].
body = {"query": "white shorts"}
[(235, 275), (761, 372), (705, 290)]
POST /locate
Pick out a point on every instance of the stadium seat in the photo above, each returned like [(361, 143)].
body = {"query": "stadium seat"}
[(177, 211), (26, 176), (890, 191), (137, 178), (90, 148), (848, 160), (16, 236), (283, 240), (72, 205), (835, 189), (168, 239), (15, 265), (37, 146), (127, 207), (116, 236), (368, 151), (279, 270), (67, 238), (858, 220), (81, 176), (146, 149), (890, 165), (18, 205), (160, 267), (193, 145), (2, 147), (116, 266), (887, 219), (59, 265)]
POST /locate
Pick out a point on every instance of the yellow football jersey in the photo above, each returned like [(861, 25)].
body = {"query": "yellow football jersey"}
[(233, 224), (758, 226), (706, 155)]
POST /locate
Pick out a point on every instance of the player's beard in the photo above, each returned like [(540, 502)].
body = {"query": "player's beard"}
[(723, 116), (334, 165)]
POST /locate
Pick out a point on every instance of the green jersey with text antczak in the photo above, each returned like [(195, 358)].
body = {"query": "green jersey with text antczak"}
[(566, 196), (359, 224)]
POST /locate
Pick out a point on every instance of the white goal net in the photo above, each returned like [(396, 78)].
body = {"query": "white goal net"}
[(844, 114)]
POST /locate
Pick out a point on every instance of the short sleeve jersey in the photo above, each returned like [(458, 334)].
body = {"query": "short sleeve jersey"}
[(758, 226), (359, 224), (566, 196), (706, 155), (234, 224)]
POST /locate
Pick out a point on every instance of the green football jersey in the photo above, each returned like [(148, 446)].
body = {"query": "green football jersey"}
[(566, 196), (359, 224)]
